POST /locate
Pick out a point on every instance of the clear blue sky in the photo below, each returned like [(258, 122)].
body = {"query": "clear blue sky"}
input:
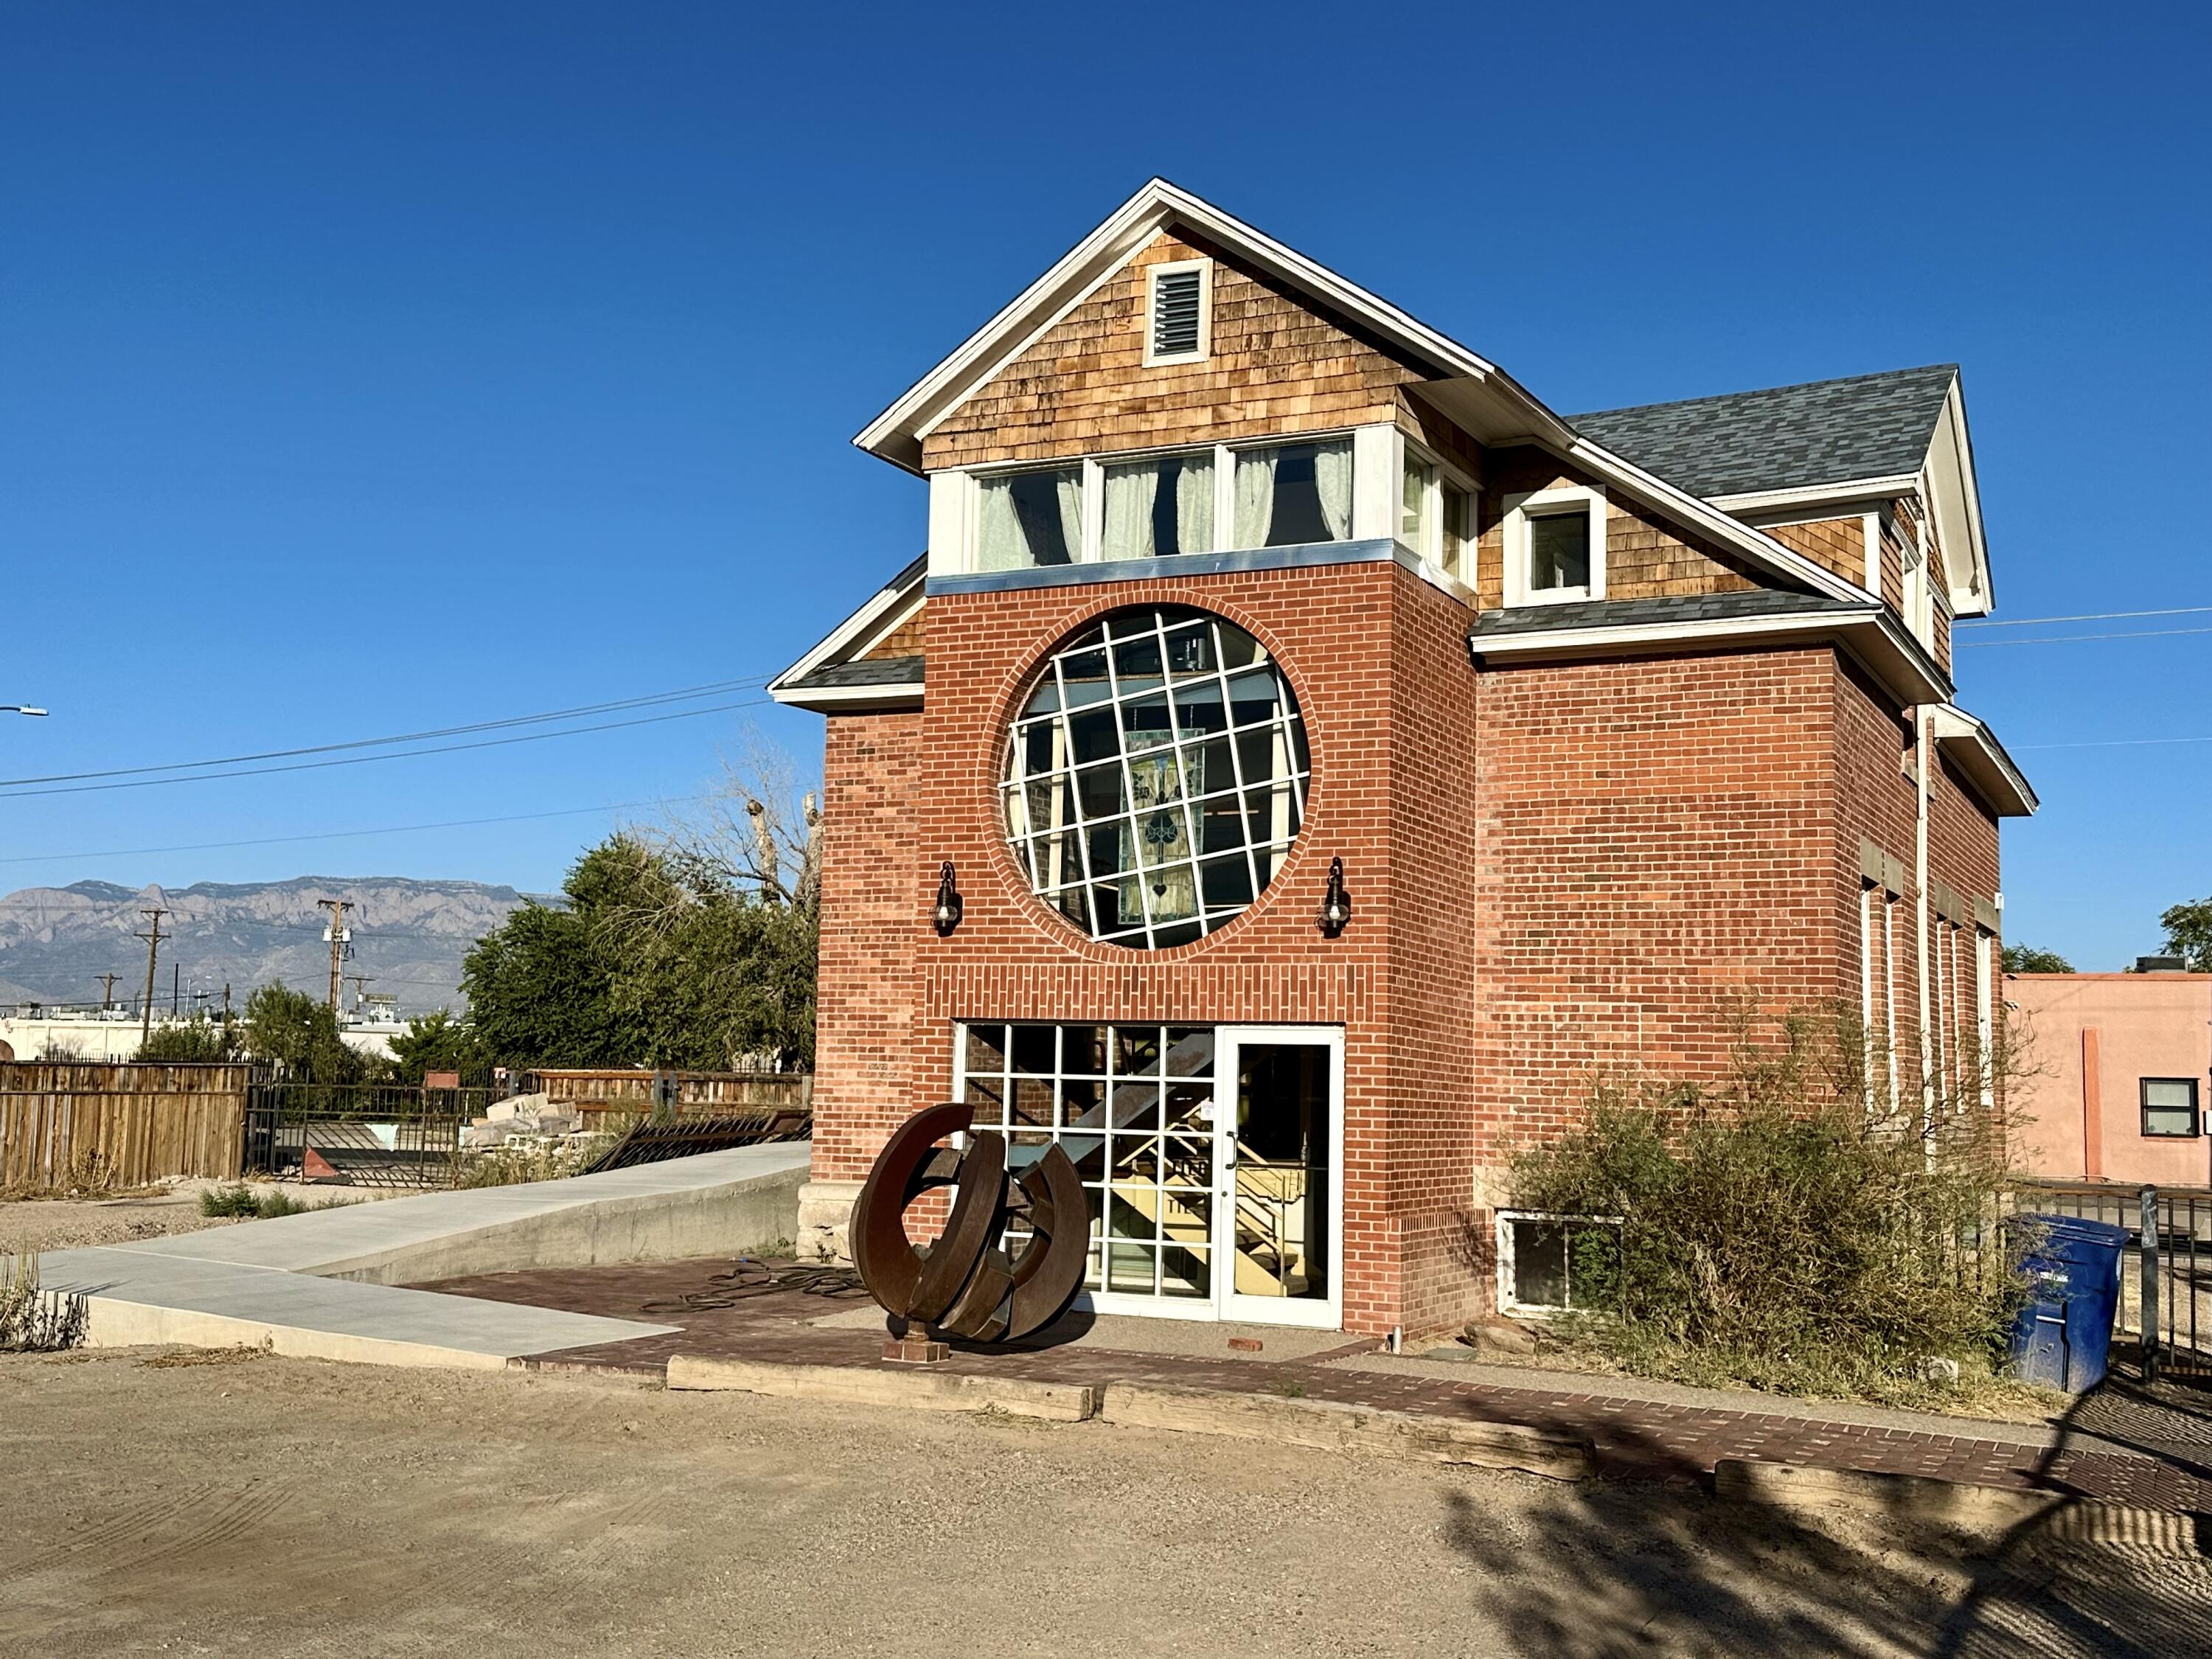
[(365, 369)]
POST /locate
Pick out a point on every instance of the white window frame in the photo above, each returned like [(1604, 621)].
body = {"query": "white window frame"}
[(1519, 509), (1442, 473), (1507, 1264), (1985, 946), (1152, 275)]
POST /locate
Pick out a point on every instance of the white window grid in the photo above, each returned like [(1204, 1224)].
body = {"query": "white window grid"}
[(1132, 1105), (1508, 1257), (1096, 898)]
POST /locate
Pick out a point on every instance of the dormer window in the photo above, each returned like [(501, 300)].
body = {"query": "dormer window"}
[(1555, 546), (1178, 312)]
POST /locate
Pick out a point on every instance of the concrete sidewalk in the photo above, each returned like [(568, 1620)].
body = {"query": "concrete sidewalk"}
[(324, 1284)]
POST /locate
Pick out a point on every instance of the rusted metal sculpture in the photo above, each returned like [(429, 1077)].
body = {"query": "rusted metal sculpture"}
[(965, 1285)]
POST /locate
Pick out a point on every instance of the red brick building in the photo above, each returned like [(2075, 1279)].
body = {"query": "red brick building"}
[(1340, 758)]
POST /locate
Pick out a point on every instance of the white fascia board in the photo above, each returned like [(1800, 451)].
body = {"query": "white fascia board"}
[(895, 435), (1873, 640), (885, 610), (1955, 472), (1841, 493), (1983, 759), (847, 699)]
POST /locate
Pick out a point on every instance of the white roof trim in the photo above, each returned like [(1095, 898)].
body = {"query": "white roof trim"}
[(848, 698), (1849, 490), (895, 433), (884, 611), (1983, 758), (1956, 503), (1907, 673)]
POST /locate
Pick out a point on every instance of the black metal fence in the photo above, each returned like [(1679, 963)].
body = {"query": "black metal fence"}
[(2166, 1285), (368, 1134)]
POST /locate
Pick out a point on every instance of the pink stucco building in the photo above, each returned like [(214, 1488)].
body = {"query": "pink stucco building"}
[(2119, 1065)]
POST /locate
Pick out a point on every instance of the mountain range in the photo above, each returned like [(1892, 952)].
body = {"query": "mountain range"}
[(408, 938)]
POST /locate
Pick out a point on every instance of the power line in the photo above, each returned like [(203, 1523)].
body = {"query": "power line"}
[(2073, 638), (350, 834), (682, 694), (2092, 616), (2111, 742), (404, 754)]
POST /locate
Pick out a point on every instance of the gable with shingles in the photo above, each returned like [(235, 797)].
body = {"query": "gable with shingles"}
[(1276, 369)]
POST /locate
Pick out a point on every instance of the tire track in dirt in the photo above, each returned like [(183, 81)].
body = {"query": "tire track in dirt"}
[(229, 1520), (152, 1513)]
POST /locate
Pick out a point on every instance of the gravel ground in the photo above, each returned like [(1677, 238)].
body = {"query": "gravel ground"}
[(173, 1502), (43, 1224)]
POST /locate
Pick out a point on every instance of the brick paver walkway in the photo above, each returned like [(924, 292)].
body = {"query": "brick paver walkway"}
[(2126, 1444)]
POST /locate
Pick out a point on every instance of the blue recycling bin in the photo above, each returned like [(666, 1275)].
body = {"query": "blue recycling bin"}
[(2062, 1337)]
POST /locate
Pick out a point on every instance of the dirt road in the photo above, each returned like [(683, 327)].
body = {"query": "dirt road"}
[(277, 1507)]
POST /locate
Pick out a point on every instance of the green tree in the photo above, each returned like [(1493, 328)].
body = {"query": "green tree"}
[(201, 1042), (2189, 934), (665, 955), (439, 1042), (2027, 959), (300, 1035)]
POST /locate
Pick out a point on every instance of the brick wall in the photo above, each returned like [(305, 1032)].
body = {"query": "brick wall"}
[(875, 898)]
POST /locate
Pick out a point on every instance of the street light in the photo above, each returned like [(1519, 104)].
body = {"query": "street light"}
[(22, 708)]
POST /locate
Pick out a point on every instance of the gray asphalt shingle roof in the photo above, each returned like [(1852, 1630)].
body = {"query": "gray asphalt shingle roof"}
[(868, 671), (1870, 426), (1623, 613)]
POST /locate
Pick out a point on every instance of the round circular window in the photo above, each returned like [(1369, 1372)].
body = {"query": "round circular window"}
[(1157, 775)]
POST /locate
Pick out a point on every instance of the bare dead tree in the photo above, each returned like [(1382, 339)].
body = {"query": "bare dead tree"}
[(758, 832)]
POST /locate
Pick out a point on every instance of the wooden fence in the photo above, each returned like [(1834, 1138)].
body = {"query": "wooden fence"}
[(595, 1093), (64, 1121)]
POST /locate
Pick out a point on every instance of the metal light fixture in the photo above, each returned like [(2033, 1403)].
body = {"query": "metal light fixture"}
[(1335, 904), (949, 906)]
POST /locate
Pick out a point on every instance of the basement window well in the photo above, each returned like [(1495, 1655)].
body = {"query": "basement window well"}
[(1552, 1263)]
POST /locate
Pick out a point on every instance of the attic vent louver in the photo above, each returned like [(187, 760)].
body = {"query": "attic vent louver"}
[(1178, 295)]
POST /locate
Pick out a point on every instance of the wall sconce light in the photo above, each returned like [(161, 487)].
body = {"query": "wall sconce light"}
[(1335, 904), (949, 906)]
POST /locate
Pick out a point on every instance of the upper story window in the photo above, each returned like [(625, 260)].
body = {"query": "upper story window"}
[(1178, 312), (1191, 500), (1555, 546), (2169, 1107), (1435, 516), (1288, 494), (1160, 506), (1030, 519)]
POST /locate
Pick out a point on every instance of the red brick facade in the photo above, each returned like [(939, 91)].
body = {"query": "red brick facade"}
[(1558, 872)]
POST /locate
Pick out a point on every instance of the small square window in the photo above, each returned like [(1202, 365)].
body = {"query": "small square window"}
[(1558, 551), (1547, 1263), (2169, 1107)]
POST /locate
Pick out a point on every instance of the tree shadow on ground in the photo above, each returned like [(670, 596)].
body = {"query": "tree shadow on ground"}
[(1611, 1568)]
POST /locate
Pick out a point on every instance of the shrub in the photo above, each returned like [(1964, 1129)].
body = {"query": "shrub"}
[(263, 1205), (199, 1041), (1787, 1228), (34, 1320)]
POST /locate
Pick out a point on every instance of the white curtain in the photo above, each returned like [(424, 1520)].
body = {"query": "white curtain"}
[(1130, 494), (1000, 542), (1255, 496), (1195, 505), (1333, 482), (1070, 484)]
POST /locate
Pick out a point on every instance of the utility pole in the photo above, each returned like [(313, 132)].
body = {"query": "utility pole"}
[(106, 991), (340, 936), (176, 986), (153, 954), (361, 984)]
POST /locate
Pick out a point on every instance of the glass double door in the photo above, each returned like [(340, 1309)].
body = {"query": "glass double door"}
[(1278, 1174)]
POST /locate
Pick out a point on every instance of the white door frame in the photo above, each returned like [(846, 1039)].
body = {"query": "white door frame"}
[(1326, 1314)]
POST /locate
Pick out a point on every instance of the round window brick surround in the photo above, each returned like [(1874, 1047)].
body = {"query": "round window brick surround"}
[(1156, 775)]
